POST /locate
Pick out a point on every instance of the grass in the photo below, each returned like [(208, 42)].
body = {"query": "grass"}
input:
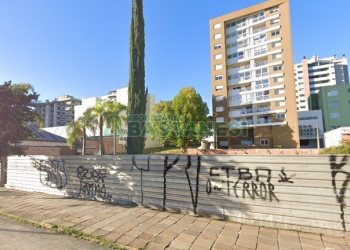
[(66, 231)]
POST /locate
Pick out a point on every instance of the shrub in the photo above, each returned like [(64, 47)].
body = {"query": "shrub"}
[(343, 149)]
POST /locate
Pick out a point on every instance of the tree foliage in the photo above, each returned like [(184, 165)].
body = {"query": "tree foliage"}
[(76, 130), (137, 94), (181, 121), (16, 111)]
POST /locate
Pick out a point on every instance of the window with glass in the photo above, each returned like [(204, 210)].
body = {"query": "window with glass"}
[(335, 115), (333, 93), (275, 33), (217, 46), (264, 142), (261, 72)]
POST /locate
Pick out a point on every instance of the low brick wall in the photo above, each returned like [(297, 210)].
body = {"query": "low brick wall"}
[(307, 193), (254, 152)]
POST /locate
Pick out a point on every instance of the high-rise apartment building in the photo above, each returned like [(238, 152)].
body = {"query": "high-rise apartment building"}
[(58, 112), (253, 76), (314, 73)]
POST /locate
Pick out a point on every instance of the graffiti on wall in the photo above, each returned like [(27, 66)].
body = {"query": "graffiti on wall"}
[(141, 169), (52, 173), (344, 179), (193, 191), (243, 182), (92, 183)]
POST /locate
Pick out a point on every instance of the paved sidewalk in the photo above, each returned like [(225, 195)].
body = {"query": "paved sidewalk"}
[(139, 227)]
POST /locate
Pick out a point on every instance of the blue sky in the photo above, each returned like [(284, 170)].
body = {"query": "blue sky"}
[(80, 47)]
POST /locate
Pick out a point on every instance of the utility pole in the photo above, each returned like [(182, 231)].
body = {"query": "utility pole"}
[(318, 137)]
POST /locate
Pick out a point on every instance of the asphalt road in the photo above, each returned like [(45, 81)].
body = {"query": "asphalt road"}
[(17, 236)]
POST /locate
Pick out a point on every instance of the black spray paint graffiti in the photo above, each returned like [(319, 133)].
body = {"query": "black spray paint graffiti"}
[(337, 168), (52, 173), (134, 165), (194, 193), (92, 183), (245, 185)]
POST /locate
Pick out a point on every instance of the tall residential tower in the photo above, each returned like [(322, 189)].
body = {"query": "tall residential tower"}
[(314, 73), (253, 76)]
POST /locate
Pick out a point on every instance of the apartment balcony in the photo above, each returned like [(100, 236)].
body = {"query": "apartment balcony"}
[(255, 123), (252, 99), (242, 112), (258, 30), (259, 18)]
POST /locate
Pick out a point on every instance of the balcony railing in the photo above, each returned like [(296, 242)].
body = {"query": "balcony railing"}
[(261, 74), (262, 86), (259, 30), (260, 52), (259, 18), (262, 63)]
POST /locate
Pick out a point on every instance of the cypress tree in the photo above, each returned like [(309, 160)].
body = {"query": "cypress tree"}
[(137, 93)]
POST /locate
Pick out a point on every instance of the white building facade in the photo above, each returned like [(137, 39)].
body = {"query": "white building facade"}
[(315, 73), (311, 130)]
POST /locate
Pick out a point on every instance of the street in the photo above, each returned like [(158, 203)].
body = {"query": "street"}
[(17, 236)]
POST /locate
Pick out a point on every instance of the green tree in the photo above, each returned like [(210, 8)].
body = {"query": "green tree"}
[(181, 121), (16, 111), (137, 93), (162, 123), (76, 130), (114, 119)]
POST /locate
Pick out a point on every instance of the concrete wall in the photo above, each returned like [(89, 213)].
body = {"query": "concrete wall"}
[(302, 193)]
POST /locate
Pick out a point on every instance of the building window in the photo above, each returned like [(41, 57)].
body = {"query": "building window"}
[(246, 142), (219, 87), (334, 104), (220, 119), (219, 98), (218, 56), (281, 104), (335, 115), (275, 33), (223, 143), (218, 66), (264, 142), (218, 77), (217, 26), (217, 36), (277, 67), (274, 10), (281, 116), (217, 46), (219, 109), (276, 44), (333, 93)]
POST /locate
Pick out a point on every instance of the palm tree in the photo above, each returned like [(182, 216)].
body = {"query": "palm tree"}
[(104, 111), (77, 129), (99, 112), (114, 119)]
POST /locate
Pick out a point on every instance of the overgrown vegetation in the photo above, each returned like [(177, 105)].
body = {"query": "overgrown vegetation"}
[(343, 149)]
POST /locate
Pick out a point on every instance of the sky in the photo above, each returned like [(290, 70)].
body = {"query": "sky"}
[(81, 47)]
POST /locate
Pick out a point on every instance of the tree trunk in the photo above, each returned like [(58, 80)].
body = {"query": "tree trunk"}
[(83, 150), (101, 151), (114, 143), (3, 167)]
